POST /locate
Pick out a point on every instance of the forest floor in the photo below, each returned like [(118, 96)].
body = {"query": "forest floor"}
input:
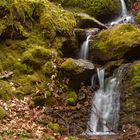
[(22, 122)]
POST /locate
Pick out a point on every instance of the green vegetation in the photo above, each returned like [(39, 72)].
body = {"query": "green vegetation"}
[(70, 97), (30, 31), (103, 10), (71, 138), (2, 113), (49, 68), (135, 68), (54, 126), (6, 90), (116, 37), (115, 42), (137, 17), (36, 56), (69, 65)]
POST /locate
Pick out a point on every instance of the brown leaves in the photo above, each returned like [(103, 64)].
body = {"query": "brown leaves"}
[(21, 120)]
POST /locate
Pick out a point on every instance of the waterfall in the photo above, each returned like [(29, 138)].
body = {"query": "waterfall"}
[(123, 8), (124, 16), (84, 48), (104, 115)]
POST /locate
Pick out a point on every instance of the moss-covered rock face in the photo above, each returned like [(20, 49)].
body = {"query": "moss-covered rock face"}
[(32, 35), (130, 96), (103, 10), (119, 42)]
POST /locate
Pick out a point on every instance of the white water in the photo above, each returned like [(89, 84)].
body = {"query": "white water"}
[(124, 16), (123, 8), (84, 48), (105, 105)]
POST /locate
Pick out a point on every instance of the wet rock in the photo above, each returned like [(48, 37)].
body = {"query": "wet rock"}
[(120, 42), (70, 47), (86, 21), (78, 71)]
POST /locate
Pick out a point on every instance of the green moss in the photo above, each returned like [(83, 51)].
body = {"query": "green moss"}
[(130, 104), (54, 126), (28, 83), (71, 94), (69, 65), (116, 37), (49, 68), (56, 19), (6, 90), (21, 68), (50, 138), (2, 113), (36, 57), (113, 43), (137, 17), (29, 31), (135, 68), (71, 101), (71, 97), (97, 8), (58, 42), (71, 138)]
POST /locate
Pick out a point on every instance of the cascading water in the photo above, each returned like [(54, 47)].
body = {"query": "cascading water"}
[(124, 16), (123, 8), (105, 105), (84, 48)]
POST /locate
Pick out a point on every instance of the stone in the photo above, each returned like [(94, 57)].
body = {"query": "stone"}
[(119, 42), (86, 21), (103, 10), (78, 71)]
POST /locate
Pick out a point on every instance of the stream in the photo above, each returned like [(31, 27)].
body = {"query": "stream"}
[(104, 116)]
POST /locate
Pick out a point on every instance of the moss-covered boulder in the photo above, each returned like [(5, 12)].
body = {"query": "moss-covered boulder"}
[(33, 34), (52, 19), (130, 95), (86, 21), (77, 70), (119, 42), (103, 10)]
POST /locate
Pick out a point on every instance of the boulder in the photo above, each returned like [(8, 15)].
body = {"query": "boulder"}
[(130, 95), (86, 21), (119, 42), (78, 71), (103, 10)]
